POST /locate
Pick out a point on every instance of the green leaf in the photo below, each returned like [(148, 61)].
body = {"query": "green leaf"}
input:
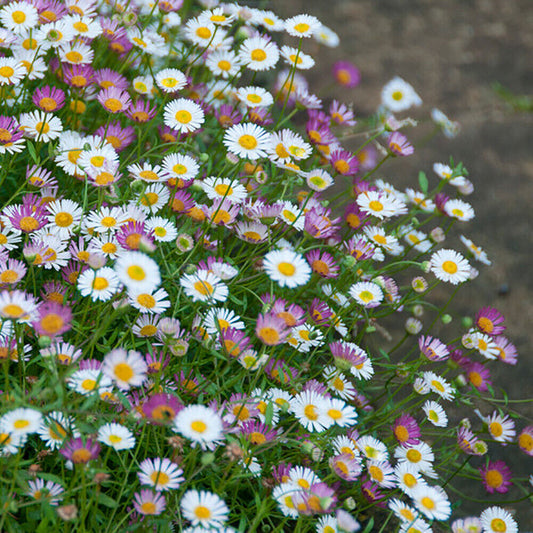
[(32, 151), (369, 526), (423, 182), (107, 501)]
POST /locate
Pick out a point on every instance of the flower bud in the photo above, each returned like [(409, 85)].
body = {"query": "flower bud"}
[(184, 243), (446, 318), (418, 310), (467, 322), (207, 458), (437, 235), (419, 284), (44, 341), (413, 326)]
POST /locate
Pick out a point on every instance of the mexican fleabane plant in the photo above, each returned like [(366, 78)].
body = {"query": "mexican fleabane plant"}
[(216, 311)]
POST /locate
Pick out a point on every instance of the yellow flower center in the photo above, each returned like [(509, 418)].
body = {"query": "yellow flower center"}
[(159, 477), (203, 32), (485, 324), (6, 71), (402, 434), (248, 142), (63, 219), (100, 283), (12, 310), (224, 65), (19, 17), (450, 267), (496, 429), (88, 384), (9, 276), (497, 524), (81, 27), (81, 456), (414, 456), (427, 502), (302, 27), (375, 205), (376, 473), (115, 439), (525, 441), (493, 478), (74, 57), (204, 287), (52, 323), (397, 95), (146, 300), (258, 55), (269, 336), (366, 296), (123, 372), (310, 412), (113, 104), (409, 480), (136, 272), (42, 127), (21, 424), (183, 116), (199, 426), (287, 269)]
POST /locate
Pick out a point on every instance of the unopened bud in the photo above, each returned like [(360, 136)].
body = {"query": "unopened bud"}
[(446, 318)]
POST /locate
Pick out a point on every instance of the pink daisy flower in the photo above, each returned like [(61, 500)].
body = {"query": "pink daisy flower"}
[(399, 145), (525, 440), (406, 430), (80, 451), (346, 74), (496, 477), (479, 376), (433, 348), (322, 263), (344, 162), (489, 320), (271, 329), (53, 320), (114, 100), (49, 99)]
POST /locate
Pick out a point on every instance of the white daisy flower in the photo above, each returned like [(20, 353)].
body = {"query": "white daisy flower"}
[(55, 428), (88, 380), (435, 413), (432, 502), (19, 17), (220, 319), (309, 407), (76, 53), (420, 456), (259, 53), (287, 268), (199, 424), (297, 58), (318, 180), (292, 215), (327, 37), (21, 421), (137, 271), (247, 140), (340, 413), (283, 495), (161, 474), (100, 284), (478, 252), (224, 188), (143, 85), (204, 287), (415, 238), (445, 172), (180, 166), (65, 215), (170, 80), (223, 63), (164, 230), (381, 204), (126, 368), (302, 25), (11, 71), (154, 197), (495, 520), (204, 509), (419, 199), (372, 448), (366, 293), (155, 302), (40, 125), (397, 95), (448, 265), (408, 477), (459, 209), (439, 385), (501, 428), (10, 443), (254, 96), (117, 436), (183, 115)]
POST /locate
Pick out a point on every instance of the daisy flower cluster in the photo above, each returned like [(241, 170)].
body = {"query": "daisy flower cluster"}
[(215, 310)]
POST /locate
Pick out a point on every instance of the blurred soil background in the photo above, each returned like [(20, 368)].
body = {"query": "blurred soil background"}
[(452, 52)]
